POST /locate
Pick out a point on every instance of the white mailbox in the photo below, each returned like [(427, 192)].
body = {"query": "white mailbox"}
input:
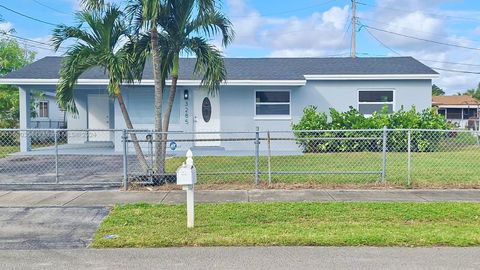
[(187, 174), (187, 177)]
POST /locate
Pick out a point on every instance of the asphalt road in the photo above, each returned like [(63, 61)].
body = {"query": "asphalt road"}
[(48, 227), (245, 258)]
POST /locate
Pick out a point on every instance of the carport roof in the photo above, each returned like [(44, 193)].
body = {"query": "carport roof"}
[(255, 68)]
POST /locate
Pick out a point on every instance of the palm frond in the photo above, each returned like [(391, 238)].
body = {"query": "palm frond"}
[(211, 24), (209, 64)]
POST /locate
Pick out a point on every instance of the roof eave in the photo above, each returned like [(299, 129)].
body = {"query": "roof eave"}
[(151, 82), (341, 77)]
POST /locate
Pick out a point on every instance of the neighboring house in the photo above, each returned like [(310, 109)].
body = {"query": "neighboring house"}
[(47, 113), (270, 93), (462, 111)]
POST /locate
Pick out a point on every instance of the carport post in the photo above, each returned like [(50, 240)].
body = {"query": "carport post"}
[(125, 158), (56, 155)]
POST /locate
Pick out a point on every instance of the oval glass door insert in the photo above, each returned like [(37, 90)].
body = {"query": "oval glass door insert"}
[(206, 109)]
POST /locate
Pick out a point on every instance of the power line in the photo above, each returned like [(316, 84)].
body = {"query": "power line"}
[(456, 71), (427, 13), (407, 28), (49, 7), (27, 16), (422, 39), (43, 45), (436, 68)]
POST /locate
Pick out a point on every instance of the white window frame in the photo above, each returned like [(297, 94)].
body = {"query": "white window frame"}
[(272, 116), (40, 109), (374, 103)]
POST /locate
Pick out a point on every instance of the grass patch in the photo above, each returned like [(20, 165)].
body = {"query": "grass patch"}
[(454, 168), (6, 150), (297, 224)]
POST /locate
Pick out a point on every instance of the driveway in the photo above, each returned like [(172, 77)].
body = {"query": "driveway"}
[(48, 227), (72, 168)]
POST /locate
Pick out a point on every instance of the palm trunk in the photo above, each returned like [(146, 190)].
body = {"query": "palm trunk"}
[(171, 99), (159, 160), (138, 150)]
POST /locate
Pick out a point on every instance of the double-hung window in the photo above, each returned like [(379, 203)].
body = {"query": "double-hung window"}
[(370, 101), (272, 104), (43, 109)]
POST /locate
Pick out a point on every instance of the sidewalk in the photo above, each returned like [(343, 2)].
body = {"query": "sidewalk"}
[(358, 258), (110, 198)]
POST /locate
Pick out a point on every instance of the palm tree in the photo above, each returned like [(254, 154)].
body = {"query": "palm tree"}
[(184, 28), (164, 23), (187, 30), (98, 38)]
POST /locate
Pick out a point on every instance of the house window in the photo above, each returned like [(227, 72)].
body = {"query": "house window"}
[(469, 113), (43, 109), (273, 104), (454, 113), (373, 101)]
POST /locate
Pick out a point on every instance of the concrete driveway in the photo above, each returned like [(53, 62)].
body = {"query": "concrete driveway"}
[(48, 227)]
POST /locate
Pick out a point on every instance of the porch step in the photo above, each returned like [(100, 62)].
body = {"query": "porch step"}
[(207, 148)]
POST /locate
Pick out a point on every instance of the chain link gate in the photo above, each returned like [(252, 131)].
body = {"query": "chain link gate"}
[(53, 158)]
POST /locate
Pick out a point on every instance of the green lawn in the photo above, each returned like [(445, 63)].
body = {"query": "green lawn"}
[(297, 224), (6, 150), (455, 168)]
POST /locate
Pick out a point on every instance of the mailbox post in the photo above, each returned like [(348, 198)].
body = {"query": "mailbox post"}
[(187, 177)]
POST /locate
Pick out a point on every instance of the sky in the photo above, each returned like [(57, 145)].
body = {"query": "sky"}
[(316, 28)]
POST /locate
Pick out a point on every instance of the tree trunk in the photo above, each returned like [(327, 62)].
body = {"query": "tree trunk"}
[(171, 99), (138, 150), (159, 159)]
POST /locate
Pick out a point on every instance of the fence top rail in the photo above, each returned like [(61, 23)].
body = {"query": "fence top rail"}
[(147, 131)]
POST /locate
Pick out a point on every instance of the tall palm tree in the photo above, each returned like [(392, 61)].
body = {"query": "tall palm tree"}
[(98, 39), (182, 27), (187, 30)]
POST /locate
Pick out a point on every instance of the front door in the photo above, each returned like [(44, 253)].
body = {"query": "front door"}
[(98, 117), (206, 117)]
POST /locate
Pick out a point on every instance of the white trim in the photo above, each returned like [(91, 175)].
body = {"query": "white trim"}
[(371, 77), (472, 106), (394, 97), (151, 82), (272, 116)]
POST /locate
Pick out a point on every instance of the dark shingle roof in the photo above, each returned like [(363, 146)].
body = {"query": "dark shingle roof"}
[(255, 68)]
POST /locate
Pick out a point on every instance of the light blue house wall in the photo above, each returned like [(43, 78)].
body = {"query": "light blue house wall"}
[(237, 105)]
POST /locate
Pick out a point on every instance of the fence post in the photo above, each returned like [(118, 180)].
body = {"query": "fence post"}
[(269, 158), (125, 160), (384, 155), (56, 154), (257, 155), (409, 162)]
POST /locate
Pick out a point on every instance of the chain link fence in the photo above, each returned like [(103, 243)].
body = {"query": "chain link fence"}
[(42, 157), (323, 158)]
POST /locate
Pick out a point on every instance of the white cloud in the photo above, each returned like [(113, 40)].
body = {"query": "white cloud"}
[(314, 35), (425, 20), (42, 50), (5, 27)]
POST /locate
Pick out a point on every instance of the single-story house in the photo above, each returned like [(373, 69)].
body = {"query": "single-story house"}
[(269, 93), (464, 111)]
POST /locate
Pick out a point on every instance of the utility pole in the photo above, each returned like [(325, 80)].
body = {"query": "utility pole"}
[(353, 48)]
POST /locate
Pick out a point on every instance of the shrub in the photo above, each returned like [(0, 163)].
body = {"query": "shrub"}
[(321, 130)]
